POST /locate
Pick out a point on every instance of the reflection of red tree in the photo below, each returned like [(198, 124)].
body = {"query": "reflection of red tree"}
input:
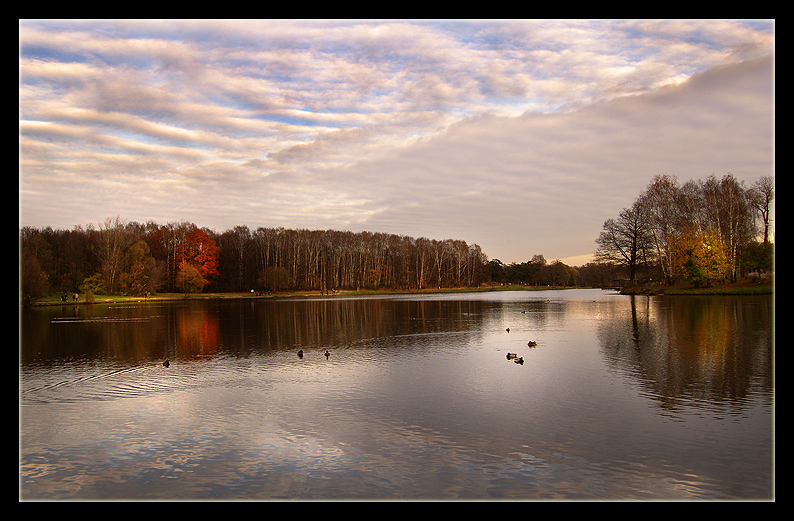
[(197, 333)]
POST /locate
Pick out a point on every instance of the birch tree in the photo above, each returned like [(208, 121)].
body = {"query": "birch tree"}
[(658, 201), (112, 243)]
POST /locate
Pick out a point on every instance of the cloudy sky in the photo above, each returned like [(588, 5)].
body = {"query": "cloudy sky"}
[(522, 136)]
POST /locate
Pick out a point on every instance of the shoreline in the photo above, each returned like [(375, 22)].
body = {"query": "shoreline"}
[(737, 288), (55, 300), (727, 289)]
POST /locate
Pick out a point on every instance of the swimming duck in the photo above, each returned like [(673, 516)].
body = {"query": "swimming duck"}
[(532, 343), (300, 353), (510, 356), (519, 360), (508, 329), (166, 363), (327, 354)]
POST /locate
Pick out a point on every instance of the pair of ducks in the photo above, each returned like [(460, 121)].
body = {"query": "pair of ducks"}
[(520, 359), (514, 357), (300, 353)]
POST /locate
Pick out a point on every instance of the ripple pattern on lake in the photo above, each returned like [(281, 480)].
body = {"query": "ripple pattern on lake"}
[(415, 400)]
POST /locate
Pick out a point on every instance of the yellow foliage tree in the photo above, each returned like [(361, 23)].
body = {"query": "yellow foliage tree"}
[(700, 257), (189, 279), (139, 269)]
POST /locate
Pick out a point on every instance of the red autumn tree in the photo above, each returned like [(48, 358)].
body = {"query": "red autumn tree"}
[(200, 252)]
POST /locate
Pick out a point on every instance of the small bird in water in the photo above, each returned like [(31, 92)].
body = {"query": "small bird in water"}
[(510, 356), (508, 329), (519, 360), (532, 343), (166, 363), (300, 353), (327, 354)]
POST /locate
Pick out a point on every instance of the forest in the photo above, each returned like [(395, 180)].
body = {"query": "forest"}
[(701, 232), (129, 258)]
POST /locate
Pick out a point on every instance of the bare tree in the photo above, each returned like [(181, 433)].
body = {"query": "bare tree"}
[(440, 254), (691, 206), (762, 193), (625, 240), (113, 243), (241, 239), (730, 214), (422, 246), (658, 201)]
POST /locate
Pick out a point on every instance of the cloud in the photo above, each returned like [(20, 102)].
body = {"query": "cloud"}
[(519, 184), (521, 136)]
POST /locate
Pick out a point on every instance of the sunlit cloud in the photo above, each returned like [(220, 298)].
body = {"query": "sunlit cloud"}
[(521, 136)]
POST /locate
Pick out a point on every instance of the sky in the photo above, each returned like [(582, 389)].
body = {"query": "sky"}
[(521, 136)]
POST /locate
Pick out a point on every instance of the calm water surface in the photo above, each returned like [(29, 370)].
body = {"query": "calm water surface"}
[(622, 398)]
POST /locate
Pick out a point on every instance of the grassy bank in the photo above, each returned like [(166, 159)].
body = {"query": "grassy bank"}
[(742, 287), (55, 299)]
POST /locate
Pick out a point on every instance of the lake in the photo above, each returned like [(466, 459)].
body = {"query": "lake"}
[(622, 398)]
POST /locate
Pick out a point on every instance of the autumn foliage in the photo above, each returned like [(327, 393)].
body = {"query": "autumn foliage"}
[(198, 251), (700, 257)]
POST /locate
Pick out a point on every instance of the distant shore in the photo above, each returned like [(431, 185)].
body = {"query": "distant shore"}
[(740, 288)]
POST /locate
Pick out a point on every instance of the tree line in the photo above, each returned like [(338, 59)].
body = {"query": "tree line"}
[(701, 232), (536, 272), (131, 258)]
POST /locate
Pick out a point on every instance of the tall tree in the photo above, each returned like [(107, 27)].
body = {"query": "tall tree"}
[(164, 242), (200, 252), (440, 254), (189, 279), (33, 279), (535, 269), (690, 206), (762, 193), (658, 201), (113, 241), (423, 252), (731, 216), (236, 245), (625, 240), (140, 269)]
